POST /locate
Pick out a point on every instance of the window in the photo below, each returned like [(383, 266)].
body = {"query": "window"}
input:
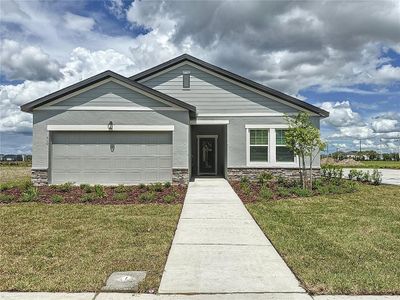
[(186, 80), (258, 145), (283, 153)]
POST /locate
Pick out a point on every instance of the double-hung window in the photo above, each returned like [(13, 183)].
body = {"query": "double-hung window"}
[(258, 145), (283, 153)]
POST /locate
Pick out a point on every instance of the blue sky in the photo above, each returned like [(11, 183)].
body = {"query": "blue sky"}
[(344, 58)]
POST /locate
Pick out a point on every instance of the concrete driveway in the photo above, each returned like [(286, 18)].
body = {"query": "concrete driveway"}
[(219, 248), (389, 176)]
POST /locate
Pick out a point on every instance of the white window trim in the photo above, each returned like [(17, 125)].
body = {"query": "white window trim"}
[(283, 145), (209, 122), (272, 163), (115, 128)]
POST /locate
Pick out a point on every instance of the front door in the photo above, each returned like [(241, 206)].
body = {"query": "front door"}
[(207, 154)]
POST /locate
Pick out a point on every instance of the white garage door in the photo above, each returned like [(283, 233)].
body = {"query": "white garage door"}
[(111, 157)]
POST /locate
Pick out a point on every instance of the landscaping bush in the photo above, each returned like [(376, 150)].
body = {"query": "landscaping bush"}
[(5, 186), (141, 186), (26, 185), (167, 184), (120, 188), (31, 194), (87, 188), (65, 187), (366, 177), (170, 198), (155, 187), (244, 179), (88, 197), (265, 193), (330, 171), (299, 191), (264, 177), (6, 198), (120, 196), (376, 177), (147, 196), (57, 198), (99, 191), (283, 192)]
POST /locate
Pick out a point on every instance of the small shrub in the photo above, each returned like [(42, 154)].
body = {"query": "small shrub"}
[(88, 198), (99, 191), (359, 175), (147, 196), (120, 188), (57, 198), (350, 187), (298, 191), (120, 196), (244, 179), (155, 187), (283, 192), (170, 198), (87, 188), (376, 177), (26, 185), (30, 194), (265, 193), (366, 177), (6, 198), (5, 186), (246, 189), (331, 172), (142, 186), (65, 187), (263, 177), (352, 174), (167, 184)]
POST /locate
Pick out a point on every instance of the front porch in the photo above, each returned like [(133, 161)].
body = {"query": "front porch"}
[(208, 151)]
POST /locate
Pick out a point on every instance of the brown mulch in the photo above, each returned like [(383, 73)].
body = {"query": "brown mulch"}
[(75, 194)]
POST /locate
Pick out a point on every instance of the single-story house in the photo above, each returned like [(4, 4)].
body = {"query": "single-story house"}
[(180, 119)]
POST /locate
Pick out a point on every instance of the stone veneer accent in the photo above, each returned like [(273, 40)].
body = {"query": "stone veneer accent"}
[(252, 173), (180, 176), (39, 177)]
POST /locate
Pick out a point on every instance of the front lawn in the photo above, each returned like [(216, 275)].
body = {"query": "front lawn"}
[(338, 244), (75, 247)]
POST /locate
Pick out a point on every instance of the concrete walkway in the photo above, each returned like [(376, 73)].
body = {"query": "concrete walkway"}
[(389, 176), (219, 248)]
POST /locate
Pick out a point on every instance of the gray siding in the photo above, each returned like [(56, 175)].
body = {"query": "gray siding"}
[(211, 94), (111, 94), (180, 119), (236, 137)]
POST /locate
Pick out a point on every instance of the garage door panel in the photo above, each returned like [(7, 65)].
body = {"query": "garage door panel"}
[(108, 158)]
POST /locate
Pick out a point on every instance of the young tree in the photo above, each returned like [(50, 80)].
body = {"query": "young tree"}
[(304, 140)]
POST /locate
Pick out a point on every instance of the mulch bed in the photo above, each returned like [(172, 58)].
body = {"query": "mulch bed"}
[(76, 193), (253, 196)]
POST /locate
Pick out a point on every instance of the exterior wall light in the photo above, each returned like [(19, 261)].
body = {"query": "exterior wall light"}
[(110, 125)]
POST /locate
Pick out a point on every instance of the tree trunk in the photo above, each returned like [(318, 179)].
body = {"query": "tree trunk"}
[(303, 170), (311, 160), (300, 174)]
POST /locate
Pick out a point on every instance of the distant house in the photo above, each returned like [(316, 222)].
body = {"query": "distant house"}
[(13, 157), (177, 120)]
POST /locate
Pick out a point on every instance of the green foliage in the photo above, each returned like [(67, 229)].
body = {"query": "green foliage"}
[(301, 192), (31, 194), (244, 179), (120, 188), (155, 187), (148, 196), (265, 193), (87, 188), (65, 187), (283, 192), (57, 198), (4, 198), (366, 177), (5, 186), (26, 185), (99, 191), (170, 198), (264, 177), (167, 184), (120, 196), (142, 186), (331, 171), (88, 198), (376, 177)]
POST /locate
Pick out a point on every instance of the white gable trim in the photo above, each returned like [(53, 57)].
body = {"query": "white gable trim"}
[(97, 84), (229, 80)]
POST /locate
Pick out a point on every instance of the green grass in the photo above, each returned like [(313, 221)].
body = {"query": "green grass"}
[(75, 248), (339, 244), (376, 165), (14, 174)]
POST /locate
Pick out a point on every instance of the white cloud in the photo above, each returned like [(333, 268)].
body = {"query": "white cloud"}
[(29, 62), (384, 125), (340, 114), (78, 23)]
